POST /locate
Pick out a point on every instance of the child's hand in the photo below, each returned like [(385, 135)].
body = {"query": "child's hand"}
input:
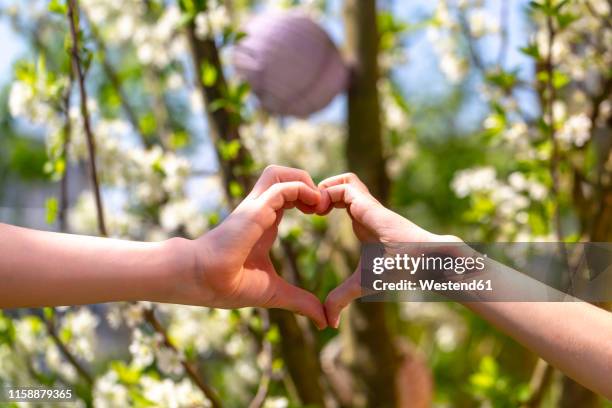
[(372, 222), (232, 266)]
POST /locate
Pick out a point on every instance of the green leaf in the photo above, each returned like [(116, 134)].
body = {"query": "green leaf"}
[(229, 150), (565, 19), (561, 4), (179, 139), (127, 374), (218, 104), (560, 79), (503, 79), (48, 312), (147, 124), (51, 210), (535, 5), (56, 6), (273, 335), (242, 90), (482, 381), (209, 74), (488, 365), (236, 189), (214, 219)]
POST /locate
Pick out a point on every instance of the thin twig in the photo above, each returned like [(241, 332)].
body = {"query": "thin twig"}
[(78, 70), (50, 325), (541, 377), (191, 371), (150, 315), (551, 97), (115, 81), (474, 56), (543, 370), (504, 16), (264, 382), (67, 133), (63, 206)]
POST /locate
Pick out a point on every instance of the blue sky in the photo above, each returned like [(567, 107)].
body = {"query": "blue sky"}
[(10, 49), (421, 67)]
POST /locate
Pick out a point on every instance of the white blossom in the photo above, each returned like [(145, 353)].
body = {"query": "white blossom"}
[(476, 179), (482, 23), (576, 130), (142, 349), (166, 393), (108, 392), (82, 324)]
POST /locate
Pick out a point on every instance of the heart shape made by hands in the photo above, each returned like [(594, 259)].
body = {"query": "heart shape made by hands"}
[(236, 264)]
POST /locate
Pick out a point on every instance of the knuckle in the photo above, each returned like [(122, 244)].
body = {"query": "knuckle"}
[(352, 177), (271, 168)]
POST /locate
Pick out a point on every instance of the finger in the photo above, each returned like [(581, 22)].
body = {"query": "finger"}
[(279, 174), (281, 194), (341, 296), (306, 209), (298, 300), (346, 178), (340, 196)]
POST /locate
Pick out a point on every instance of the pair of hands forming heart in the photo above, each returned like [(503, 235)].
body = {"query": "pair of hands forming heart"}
[(232, 266)]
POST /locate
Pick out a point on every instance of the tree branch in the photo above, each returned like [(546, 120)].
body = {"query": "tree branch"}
[(224, 124), (150, 314), (80, 76), (264, 382), (192, 372), (540, 379), (81, 370), (67, 133), (63, 207), (474, 56), (504, 15), (551, 97), (115, 81), (374, 358)]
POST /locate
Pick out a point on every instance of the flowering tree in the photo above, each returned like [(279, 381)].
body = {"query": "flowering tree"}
[(138, 99)]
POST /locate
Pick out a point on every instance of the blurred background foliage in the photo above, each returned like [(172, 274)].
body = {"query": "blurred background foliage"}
[(492, 121)]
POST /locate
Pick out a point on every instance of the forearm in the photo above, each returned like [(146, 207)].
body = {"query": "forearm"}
[(44, 269), (571, 335), (574, 337)]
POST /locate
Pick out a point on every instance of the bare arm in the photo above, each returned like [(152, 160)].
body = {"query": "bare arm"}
[(40, 268), (228, 267), (575, 337)]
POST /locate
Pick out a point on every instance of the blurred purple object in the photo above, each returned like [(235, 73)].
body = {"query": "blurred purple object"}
[(290, 63)]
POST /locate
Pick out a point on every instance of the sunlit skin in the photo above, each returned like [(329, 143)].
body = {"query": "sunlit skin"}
[(228, 267), (575, 337)]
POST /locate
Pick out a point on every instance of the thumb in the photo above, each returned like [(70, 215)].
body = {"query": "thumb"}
[(298, 300), (341, 296)]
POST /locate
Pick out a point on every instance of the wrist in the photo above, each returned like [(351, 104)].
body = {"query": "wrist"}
[(176, 273)]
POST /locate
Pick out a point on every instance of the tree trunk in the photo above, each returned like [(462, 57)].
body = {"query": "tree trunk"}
[(300, 356), (371, 353)]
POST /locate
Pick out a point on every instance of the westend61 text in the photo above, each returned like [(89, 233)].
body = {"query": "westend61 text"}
[(433, 285)]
